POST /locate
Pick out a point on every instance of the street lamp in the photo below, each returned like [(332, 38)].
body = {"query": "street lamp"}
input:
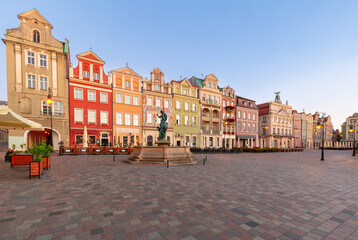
[(322, 134), (352, 130), (50, 102), (226, 123)]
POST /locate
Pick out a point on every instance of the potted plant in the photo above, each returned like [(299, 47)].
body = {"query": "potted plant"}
[(10, 152), (46, 155), (37, 163)]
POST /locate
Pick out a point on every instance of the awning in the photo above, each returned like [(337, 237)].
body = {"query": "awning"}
[(246, 137), (10, 119)]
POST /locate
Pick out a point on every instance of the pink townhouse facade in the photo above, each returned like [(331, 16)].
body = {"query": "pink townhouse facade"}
[(246, 123)]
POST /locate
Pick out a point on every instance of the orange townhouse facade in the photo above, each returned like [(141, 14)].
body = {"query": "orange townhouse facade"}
[(127, 107)]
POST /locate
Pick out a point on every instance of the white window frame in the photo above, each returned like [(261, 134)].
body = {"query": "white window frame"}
[(194, 121), (150, 101), (76, 118), (101, 97), (119, 118), (178, 119), (129, 122), (127, 101), (96, 76), (135, 119), (186, 106), (103, 112), (74, 93), (186, 120), (194, 107), (178, 103), (158, 102), (136, 100), (89, 114), (88, 95), (166, 104), (127, 84), (43, 83), (119, 97), (43, 60), (31, 57), (85, 74), (149, 117), (33, 81)]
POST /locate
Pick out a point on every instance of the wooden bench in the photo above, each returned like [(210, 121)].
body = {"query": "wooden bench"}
[(17, 160)]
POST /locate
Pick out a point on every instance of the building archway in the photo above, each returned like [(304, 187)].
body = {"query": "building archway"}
[(34, 138)]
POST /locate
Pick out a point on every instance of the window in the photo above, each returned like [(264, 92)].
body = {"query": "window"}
[(263, 119), (249, 116), (127, 119), (150, 101), (224, 92), (57, 108), (194, 107), (186, 118), (43, 60), (79, 139), (224, 103), (194, 121), (31, 82), (96, 76), (218, 100), (128, 84), (45, 108), (104, 97), (194, 140), (185, 92), (78, 93), (78, 115), (178, 105), (245, 103), (135, 119), (209, 85), (203, 98), (273, 130), (186, 106), (166, 104), (149, 118), (92, 139), (119, 98), (157, 102), (244, 115), (36, 36), (239, 125), (86, 74), (187, 141), (119, 118), (249, 126), (31, 58), (91, 95), (178, 119), (157, 119), (239, 114), (104, 117), (127, 99), (243, 126), (136, 100), (43, 83), (211, 141), (213, 85), (91, 116), (157, 88)]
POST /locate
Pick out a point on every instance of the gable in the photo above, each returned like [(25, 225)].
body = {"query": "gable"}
[(127, 71), (89, 55), (211, 77), (34, 14)]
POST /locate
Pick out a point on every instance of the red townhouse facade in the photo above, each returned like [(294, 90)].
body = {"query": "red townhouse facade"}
[(90, 99)]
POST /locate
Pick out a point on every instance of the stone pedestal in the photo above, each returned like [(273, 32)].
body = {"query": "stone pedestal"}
[(161, 155)]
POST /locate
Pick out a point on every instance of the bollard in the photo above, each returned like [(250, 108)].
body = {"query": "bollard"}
[(167, 163), (114, 158), (205, 159)]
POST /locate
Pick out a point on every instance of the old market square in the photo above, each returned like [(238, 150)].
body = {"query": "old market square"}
[(233, 196)]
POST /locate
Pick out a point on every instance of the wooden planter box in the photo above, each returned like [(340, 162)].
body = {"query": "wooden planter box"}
[(7, 158), (36, 168), (20, 160), (124, 151), (47, 163), (110, 150), (98, 150), (83, 150), (67, 151)]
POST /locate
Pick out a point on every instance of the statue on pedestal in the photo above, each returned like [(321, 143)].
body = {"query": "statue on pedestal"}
[(163, 126)]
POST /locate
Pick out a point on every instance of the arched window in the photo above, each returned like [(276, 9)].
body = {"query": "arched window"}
[(150, 141), (36, 36)]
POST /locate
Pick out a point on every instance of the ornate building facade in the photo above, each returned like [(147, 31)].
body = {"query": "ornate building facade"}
[(351, 122), (276, 124), (247, 119), (90, 93), (311, 133), (211, 111), (186, 114), (297, 129), (37, 64), (157, 95), (228, 117), (127, 107)]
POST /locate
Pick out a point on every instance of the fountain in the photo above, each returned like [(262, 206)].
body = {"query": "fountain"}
[(163, 154)]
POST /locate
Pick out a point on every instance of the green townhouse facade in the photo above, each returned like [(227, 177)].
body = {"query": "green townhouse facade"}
[(186, 114)]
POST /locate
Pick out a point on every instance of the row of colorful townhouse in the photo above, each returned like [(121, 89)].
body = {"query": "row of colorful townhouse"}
[(120, 108)]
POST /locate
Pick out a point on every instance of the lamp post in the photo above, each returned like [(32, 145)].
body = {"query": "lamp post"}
[(225, 134), (322, 134), (50, 102), (353, 130), (266, 127)]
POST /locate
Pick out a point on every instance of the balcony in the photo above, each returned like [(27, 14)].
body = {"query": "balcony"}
[(230, 108), (230, 120), (206, 118)]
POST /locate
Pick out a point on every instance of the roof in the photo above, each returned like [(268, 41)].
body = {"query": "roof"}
[(245, 98), (34, 14), (185, 79)]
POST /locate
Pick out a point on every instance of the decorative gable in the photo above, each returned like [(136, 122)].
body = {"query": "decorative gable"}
[(89, 55), (34, 15)]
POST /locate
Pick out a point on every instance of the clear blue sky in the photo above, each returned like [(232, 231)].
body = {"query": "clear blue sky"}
[(305, 49)]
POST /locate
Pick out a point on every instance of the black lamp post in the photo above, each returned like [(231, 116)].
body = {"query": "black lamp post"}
[(226, 122), (323, 121), (50, 102), (353, 130)]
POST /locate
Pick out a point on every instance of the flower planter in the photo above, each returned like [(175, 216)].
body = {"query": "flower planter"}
[(36, 168), (67, 150), (97, 150), (47, 162), (20, 160), (110, 150), (83, 150), (7, 158)]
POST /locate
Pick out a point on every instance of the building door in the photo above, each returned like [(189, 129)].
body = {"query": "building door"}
[(275, 144), (125, 141), (104, 139), (150, 141), (178, 143)]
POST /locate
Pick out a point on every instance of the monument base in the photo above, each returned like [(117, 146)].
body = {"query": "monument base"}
[(161, 155)]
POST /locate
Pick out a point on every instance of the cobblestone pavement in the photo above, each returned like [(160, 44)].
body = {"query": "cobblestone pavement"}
[(234, 196)]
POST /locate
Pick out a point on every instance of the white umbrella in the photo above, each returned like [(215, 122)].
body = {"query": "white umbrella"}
[(10, 119), (85, 140)]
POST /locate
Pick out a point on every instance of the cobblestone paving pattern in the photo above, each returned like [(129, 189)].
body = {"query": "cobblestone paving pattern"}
[(234, 196)]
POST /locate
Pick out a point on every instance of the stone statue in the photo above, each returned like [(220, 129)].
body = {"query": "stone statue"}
[(163, 126), (277, 98)]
